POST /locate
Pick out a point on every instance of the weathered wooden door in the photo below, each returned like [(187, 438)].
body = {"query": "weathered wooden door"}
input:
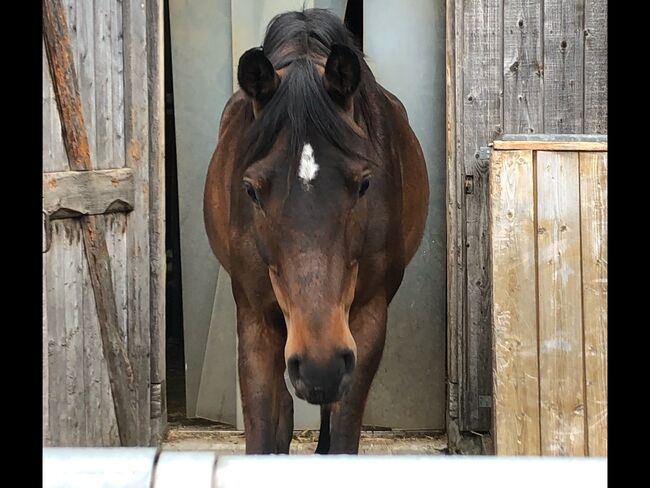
[(103, 214)]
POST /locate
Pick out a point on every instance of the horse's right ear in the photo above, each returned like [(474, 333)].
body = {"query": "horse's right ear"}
[(257, 77)]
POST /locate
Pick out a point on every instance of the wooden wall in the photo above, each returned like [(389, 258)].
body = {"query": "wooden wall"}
[(548, 237), (513, 66), (117, 56)]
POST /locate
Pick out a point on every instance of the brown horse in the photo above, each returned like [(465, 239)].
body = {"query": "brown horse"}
[(315, 201)]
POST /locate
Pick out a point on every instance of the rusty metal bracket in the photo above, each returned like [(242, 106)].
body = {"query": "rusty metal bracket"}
[(47, 232)]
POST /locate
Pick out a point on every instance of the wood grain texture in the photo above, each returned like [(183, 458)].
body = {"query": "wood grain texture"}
[(75, 138), (84, 46), (593, 222), (514, 295), (137, 157), (523, 57), (562, 403), (551, 145), (103, 79), (563, 66), (482, 121), (117, 80), (454, 250), (66, 392), (45, 387), (595, 66), (54, 155), (76, 193), (155, 39)]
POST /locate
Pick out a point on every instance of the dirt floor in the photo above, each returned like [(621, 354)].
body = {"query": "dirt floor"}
[(232, 442)]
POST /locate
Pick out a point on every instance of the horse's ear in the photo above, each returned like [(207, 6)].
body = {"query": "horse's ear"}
[(342, 74), (257, 77)]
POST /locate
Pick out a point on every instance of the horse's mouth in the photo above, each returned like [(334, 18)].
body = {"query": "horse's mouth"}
[(321, 396)]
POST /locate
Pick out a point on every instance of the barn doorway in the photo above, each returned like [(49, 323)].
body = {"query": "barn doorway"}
[(201, 362)]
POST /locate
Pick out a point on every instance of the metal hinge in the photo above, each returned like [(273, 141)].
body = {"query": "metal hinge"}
[(484, 153)]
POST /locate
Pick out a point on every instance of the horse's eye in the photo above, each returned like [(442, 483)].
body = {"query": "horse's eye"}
[(250, 190), (363, 187)]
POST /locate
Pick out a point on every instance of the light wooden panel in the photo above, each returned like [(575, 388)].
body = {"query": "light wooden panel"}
[(593, 208), (560, 316), (516, 387)]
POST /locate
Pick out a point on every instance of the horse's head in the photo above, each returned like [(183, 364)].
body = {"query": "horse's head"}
[(307, 183)]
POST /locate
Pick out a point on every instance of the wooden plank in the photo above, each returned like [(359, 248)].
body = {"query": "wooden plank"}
[(562, 411), (137, 157), (117, 79), (454, 214), (62, 71), (514, 295), (158, 276), (593, 223), (555, 137), (76, 193), (563, 65), (595, 119), (523, 57), (550, 145), (64, 284), (45, 390), (84, 44), (103, 78), (482, 57), (458, 304), (54, 156), (116, 228)]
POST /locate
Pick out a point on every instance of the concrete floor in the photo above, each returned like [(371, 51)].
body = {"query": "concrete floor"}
[(377, 442)]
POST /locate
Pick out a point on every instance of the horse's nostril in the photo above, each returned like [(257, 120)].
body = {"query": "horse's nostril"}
[(293, 366), (348, 361)]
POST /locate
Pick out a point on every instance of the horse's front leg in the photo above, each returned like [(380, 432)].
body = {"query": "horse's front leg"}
[(368, 327), (268, 417)]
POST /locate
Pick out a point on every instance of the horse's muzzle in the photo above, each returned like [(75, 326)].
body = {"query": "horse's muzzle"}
[(319, 383)]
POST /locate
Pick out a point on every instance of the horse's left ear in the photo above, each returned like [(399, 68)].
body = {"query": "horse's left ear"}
[(257, 77), (342, 75)]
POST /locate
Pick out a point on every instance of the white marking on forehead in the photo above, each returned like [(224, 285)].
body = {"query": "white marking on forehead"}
[(308, 167)]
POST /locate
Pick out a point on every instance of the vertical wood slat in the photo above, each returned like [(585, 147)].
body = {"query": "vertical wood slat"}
[(62, 70), (103, 79), (155, 26), (482, 57), (454, 218), (563, 66), (593, 207), (45, 390), (562, 411), (84, 45), (595, 85), (54, 155), (513, 253), (65, 352), (137, 157), (523, 57), (117, 79)]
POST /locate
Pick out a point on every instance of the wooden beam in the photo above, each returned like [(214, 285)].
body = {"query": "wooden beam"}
[(551, 145), (78, 193), (75, 139)]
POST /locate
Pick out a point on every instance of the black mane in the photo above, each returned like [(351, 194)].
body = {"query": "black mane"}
[(301, 105)]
